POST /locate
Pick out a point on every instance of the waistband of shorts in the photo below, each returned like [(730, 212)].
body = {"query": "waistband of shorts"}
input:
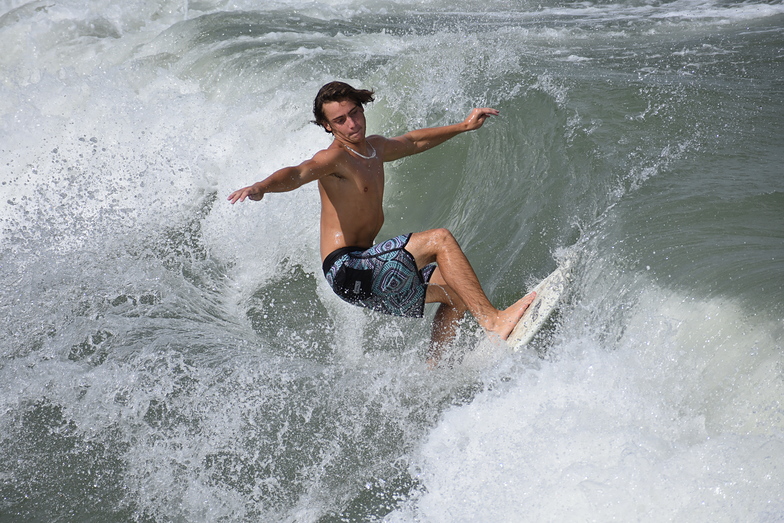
[(332, 257)]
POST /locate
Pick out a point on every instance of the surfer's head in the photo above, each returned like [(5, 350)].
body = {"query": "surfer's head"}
[(337, 92)]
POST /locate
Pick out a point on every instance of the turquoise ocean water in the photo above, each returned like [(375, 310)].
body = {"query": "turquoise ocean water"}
[(166, 356)]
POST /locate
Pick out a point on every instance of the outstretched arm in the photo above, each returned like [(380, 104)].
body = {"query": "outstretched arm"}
[(414, 142), (289, 178)]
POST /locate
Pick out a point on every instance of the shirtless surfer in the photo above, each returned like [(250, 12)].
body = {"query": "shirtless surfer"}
[(400, 275)]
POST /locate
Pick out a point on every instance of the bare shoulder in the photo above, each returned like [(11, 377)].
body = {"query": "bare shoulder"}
[(377, 139), (329, 155), (326, 162), (389, 149)]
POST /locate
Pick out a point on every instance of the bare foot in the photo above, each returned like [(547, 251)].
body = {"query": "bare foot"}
[(508, 318)]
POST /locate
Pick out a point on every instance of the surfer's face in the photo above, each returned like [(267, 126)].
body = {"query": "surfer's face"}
[(346, 120)]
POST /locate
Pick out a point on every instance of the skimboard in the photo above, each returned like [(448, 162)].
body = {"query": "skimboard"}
[(548, 295)]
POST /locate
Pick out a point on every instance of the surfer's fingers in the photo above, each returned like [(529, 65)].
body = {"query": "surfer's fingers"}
[(478, 116)]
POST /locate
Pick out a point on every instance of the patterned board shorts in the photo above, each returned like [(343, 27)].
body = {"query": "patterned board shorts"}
[(383, 278)]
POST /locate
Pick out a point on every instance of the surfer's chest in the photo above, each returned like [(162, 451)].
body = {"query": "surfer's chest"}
[(370, 181)]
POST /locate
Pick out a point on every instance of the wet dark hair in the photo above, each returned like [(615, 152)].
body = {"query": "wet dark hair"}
[(337, 92)]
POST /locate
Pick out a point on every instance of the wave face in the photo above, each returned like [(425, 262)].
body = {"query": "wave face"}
[(169, 357)]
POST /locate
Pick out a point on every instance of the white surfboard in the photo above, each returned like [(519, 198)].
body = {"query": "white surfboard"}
[(548, 295)]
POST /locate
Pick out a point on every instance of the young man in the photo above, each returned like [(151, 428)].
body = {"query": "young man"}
[(400, 275)]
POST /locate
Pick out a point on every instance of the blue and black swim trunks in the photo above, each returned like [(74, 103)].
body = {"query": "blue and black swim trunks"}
[(383, 278)]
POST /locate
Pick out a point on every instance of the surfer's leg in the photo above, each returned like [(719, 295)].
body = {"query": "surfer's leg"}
[(450, 311), (443, 333), (439, 246)]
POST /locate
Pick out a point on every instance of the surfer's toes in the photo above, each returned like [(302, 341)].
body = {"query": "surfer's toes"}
[(522, 305), (509, 317), (528, 299)]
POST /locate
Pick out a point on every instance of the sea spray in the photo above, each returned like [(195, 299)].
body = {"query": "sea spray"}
[(169, 356)]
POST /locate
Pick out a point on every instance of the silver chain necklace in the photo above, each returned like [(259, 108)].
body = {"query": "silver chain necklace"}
[(372, 155)]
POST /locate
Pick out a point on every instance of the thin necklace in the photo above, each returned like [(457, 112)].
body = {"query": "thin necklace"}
[(373, 154)]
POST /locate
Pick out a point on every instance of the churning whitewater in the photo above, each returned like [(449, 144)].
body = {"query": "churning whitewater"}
[(167, 356)]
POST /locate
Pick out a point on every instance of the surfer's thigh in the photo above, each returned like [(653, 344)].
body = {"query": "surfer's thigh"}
[(424, 246), (439, 292)]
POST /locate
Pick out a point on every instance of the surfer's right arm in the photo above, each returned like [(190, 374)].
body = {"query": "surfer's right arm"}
[(290, 178)]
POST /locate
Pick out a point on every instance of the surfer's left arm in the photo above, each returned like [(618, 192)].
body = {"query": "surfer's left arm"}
[(420, 140)]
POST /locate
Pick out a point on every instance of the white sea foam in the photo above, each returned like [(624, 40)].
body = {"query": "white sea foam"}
[(673, 422), (186, 356)]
